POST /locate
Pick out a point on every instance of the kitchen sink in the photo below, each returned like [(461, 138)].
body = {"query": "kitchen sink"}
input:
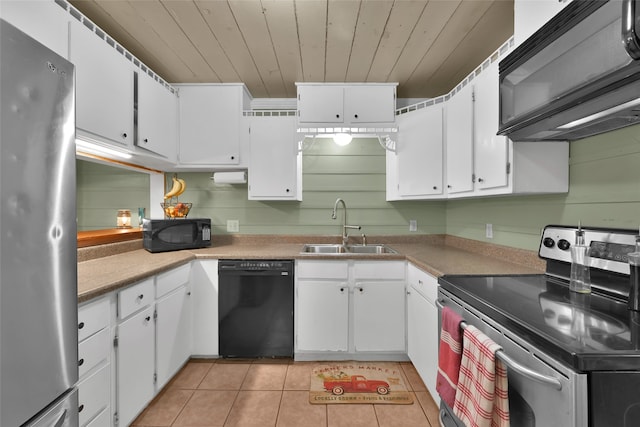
[(370, 249), (348, 249), (324, 249)]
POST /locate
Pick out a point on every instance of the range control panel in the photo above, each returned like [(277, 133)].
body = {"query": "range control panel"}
[(608, 247)]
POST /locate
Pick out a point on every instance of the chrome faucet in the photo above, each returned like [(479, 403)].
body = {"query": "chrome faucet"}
[(345, 237)]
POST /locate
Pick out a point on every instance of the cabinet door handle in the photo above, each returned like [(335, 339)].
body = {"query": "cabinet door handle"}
[(233, 157), (408, 292), (342, 290), (448, 186), (80, 362), (148, 318), (287, 190), (146, 140), (80, 325), (480, 180), (140, 296), (124, 135), (355, 116), (361, 290), (435, 187), (419, 282), (80, 408)]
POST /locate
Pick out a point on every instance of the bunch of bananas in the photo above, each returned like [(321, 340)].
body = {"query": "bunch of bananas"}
[(177, 188)]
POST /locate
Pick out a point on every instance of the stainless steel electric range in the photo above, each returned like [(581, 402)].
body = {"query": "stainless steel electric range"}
[(572, 359)]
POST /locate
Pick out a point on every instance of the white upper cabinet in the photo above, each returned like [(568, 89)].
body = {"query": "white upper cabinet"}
[(46, 22), (491, 151), (370, 103), (505, 167), (530, 15), (211, 124), (321, 104), (157, 117), (459, 140), (415, 169), (346, 105), (104, 87), (477, 161), (275, 163)]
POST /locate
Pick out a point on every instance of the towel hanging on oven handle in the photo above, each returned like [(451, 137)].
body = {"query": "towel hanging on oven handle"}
[(517, 367)]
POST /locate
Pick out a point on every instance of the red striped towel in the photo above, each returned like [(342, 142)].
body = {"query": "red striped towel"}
[(481, 399), (449, 355)]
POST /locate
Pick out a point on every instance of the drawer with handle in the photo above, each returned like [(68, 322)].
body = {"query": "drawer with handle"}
[(93, 395), (135, 298), (93, 351), (93, 317)]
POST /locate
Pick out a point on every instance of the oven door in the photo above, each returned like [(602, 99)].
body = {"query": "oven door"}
[(542, 392)]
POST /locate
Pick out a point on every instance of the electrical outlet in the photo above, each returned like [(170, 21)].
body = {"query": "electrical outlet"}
[(489, 231), (233, 225), (413, 225)]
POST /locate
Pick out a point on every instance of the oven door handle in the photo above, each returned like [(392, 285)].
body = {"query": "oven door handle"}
[(517, 367), (528, 372)]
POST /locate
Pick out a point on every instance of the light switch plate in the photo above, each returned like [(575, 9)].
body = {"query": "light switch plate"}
[(489, 231), (413, 225), (233, 225)]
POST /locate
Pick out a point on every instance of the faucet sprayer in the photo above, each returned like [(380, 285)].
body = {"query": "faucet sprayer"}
[(334, 215)]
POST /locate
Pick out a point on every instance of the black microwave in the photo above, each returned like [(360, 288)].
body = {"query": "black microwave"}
[(162, 235)]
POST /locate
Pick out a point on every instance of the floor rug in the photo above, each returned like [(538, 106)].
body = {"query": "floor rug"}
[(356, 382)]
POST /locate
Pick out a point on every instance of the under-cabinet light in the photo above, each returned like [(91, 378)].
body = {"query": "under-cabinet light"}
[(92, 148)]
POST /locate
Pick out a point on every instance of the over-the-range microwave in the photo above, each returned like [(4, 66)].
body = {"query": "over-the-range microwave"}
[(162, 235), (578, 76)]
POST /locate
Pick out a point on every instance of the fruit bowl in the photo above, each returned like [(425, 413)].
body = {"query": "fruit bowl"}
[(176, 210)]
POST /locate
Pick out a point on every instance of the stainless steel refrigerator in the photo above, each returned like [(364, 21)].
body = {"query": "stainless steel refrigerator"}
[(38, 271)]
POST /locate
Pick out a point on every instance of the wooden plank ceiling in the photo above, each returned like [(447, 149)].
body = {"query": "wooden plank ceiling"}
[(427, 46)]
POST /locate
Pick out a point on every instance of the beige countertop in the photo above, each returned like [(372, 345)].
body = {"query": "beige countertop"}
[(437, 255)]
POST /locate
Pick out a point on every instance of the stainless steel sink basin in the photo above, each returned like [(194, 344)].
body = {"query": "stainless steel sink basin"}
[(370, 249), (349, 249), (324, 249)]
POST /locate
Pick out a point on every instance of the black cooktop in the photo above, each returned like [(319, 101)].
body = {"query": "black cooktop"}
[(587, 332)]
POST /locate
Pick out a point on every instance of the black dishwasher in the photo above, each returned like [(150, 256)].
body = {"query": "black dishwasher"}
[(255, 308)]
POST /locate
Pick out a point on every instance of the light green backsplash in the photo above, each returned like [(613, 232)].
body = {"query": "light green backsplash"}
[(604, 191), (101, 190)]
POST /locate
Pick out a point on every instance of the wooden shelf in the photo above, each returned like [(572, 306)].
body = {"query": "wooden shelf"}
[(111, 235)]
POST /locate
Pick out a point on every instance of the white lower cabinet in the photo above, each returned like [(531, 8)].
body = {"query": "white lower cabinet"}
[(379, 316), (93, 396), (422, 326), (135, 364), (322, 306), (103, 419), (173, 339), (204, 297), (350, 309), (94, 367), (151, 339), (323, 316)]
